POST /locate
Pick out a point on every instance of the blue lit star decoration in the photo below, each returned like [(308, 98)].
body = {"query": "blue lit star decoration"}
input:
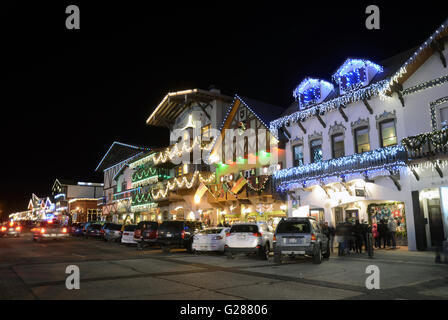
[(311, 91)]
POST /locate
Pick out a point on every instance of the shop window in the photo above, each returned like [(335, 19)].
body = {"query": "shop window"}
[(298, 155), (337, 145), (362, 142), (316, 150), (388, 133)]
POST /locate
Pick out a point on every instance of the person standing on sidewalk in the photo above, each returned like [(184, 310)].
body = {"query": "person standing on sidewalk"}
[(392, 226), (332, 233)]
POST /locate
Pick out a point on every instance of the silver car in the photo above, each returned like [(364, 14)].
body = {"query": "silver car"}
[(249, 238), (113, 232), (300, 236)]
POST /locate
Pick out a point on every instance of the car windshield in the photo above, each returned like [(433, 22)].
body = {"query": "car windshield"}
[(210, 231), (130, 227), (244, 228), (294, 227)]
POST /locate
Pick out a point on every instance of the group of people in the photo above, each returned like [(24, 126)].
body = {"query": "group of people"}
[(352, 237), (384, 232)]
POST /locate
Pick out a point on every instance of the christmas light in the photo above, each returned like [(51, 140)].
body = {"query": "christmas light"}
[(351, 97), (404, 69), (384, 158)]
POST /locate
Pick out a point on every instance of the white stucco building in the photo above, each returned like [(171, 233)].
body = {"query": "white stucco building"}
[(345, 156)]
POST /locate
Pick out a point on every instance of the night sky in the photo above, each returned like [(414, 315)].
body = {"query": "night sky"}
[(67, 95)]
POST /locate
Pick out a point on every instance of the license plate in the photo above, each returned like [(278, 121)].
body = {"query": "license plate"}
[(169, 235), (242, 237), (53, 235), (295, 241)]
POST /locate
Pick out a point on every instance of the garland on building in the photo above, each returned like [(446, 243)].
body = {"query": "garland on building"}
[(181, 183), (333, 104), (176, 151), (438, 140), (261, 187)]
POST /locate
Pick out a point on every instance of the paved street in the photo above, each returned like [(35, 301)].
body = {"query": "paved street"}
[(31, 270)]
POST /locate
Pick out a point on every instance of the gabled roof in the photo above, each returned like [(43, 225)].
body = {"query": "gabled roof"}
[(119, 152), (396, 69), (174, 103), (265, 112)]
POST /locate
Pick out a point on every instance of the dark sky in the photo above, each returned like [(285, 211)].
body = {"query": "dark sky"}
[(68, 94)]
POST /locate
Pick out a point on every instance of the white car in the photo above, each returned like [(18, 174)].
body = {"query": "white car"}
[(128, 234), (211, 239), (249, 238)]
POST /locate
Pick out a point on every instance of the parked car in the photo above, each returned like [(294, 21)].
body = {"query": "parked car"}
[(249, 238), (146, 233), (300, 236), (77, 229), (94, 231), (49, 230), (128, 234), (104, 227), (210, 239), (177, 234), (88, 224), (112, 232), (10, 229)]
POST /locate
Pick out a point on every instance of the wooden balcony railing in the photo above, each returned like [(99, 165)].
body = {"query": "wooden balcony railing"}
[(427, 145)]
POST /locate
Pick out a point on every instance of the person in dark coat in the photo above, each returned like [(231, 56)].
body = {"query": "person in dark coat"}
[(383, 231), (358, 236)]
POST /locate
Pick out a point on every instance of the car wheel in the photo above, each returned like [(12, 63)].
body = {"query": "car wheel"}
[(264, 252), (326, 255), (229, 255), (277, 257), (317, 257)]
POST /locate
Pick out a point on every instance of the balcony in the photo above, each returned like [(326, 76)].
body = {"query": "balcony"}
[(389, 159), (127, 194), (146, 175), (427, 145)]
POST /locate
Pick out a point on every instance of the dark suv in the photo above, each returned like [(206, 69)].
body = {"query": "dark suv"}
[(177, 234), (146, 233), (300, 236)]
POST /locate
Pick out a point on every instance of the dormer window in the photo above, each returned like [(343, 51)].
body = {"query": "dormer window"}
[(355, 74), (312, 91)]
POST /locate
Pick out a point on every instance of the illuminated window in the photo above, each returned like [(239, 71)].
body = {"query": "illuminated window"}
[(298, 155), (205, 132), (362, 140), (388, 133), (337, 145), (316, 150)]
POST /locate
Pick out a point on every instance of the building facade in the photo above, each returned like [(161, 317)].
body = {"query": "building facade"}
[(357, 144)]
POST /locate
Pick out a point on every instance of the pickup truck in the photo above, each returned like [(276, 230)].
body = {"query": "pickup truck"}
[(49, 230)]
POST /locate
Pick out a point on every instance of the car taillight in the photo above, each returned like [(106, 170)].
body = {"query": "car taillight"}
[(3, 228), (42, 230), (157, 233), (313, 237), (183, 234), (64, 230), (18, 228), (228, 234), (11, 224), (274, 239), (257, 234)]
